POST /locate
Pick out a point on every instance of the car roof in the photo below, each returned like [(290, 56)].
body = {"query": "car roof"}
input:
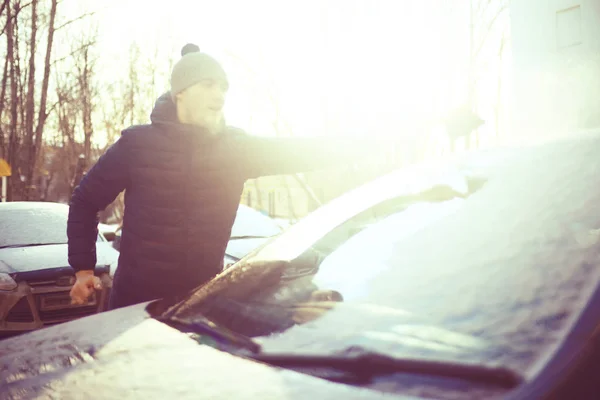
[(28, 205)]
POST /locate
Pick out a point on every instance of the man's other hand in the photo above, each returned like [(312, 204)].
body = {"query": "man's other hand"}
[(85, 285)]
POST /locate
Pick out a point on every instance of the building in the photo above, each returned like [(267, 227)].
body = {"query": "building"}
[(556, 66)]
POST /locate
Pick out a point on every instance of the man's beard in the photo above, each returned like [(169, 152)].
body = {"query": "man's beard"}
[(214, 124)]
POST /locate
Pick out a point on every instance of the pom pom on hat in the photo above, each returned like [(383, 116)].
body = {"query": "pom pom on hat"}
[(190, 48)]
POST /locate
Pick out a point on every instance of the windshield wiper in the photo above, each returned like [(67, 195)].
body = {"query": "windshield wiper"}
[(204, 326), (250, 237), (363, 366), (12, 246), (371, 364), (234, 258)]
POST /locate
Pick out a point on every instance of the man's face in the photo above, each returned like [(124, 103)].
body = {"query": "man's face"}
[(202, 104)]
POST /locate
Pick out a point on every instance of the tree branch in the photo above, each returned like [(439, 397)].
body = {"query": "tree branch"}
[(14, 17), (480, 9), (82, 16), (3, 7), (489, 27), (73, 52)]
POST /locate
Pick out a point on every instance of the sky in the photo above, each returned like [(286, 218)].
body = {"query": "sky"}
[(335, 67)]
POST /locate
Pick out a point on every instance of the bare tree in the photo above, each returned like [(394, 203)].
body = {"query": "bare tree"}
[(67, 149), (129, 102), (87, 93), (3, 83), (28, 97), (14, 95), (42, 111), (133, 83), (114, 113), (498, 105), (68, 153), (484, 16), (116, 110)]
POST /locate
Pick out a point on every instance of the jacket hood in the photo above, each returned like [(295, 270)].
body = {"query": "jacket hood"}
[(164, 111)]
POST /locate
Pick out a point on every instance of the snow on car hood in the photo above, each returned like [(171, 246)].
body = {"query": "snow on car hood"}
[(27, 259), (124, 351)]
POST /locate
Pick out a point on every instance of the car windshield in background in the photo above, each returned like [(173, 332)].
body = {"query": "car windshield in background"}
[(26, 226), (492, 277), (251, 223)]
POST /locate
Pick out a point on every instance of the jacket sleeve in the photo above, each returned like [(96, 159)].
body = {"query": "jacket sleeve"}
[(98, 188), (283, 156)]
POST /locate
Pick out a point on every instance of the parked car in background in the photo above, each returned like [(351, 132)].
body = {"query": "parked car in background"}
[(35, 276), (109, 231), (477, 279), (250, 230)]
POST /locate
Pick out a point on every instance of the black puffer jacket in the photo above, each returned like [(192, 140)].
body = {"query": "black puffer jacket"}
[(183, 188)]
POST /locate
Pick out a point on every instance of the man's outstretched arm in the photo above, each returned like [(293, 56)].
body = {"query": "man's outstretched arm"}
[(98, 188), (283, 156)]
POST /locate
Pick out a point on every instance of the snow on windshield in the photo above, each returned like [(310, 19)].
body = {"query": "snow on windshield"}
[(512, 264), (365, 256), (33, 225)]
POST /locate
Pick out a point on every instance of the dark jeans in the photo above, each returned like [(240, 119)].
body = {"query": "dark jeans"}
[(129, 289), (126, 291), (127, 294), (120, 298)]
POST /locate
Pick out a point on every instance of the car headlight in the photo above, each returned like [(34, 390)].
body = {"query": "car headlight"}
[(7, 282)]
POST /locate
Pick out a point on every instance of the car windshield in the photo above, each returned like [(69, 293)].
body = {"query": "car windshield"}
[(33, 224), (251, 223), (495, 276)]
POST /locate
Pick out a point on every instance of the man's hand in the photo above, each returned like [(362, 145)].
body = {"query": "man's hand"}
[(306, 312), (84, 286), (319, 303)]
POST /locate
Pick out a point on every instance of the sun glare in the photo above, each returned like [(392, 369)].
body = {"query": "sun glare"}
[(311, 68)]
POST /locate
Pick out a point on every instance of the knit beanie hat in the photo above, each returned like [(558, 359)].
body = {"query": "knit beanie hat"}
[(194, 67)]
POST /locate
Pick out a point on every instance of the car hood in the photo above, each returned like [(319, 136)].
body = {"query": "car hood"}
[(28, 259), (125, 351)]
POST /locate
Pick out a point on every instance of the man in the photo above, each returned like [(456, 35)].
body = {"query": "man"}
[(183, 174)]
